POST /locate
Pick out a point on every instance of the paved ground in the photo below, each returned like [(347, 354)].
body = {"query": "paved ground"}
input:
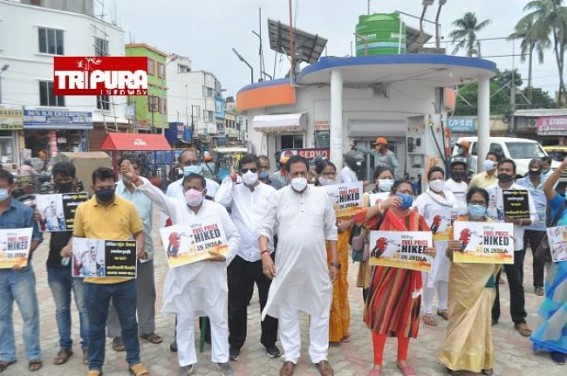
[(513, 352)]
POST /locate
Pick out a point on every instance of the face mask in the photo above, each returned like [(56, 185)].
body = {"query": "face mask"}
[(489, 165), (385, 185), (4, 194), (105, 195), (298, 184), (264, 175), (534, 173), (250, 178), (193, 197), (198, 169), (437, 185), (457, 175), (325, 181), (476, 210), (504, 178), (407, 200), (64, 187)]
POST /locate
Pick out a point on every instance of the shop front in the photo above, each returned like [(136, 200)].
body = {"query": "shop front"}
[(56, 131), (11, 124)]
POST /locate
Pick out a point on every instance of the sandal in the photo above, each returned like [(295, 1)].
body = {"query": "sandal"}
[(117, 344), (523, 329), (62, 356), (35, 365), (375, 372), (346, 339), (487, 371), (407, 370), (94, 372), (139, 370), (152, 338), (428, 319), (443, 313), (4, 365)]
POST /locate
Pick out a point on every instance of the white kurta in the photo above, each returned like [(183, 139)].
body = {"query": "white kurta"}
[(200, 288), (428, 206), (459, 190), (303, 221)]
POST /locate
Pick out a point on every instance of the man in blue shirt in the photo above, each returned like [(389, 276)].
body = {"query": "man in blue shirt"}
[(18, 283)]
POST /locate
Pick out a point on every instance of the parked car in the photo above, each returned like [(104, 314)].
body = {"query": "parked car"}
[(520, 150)]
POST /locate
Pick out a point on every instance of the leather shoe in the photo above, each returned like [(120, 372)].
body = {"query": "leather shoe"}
[(62, 356), (287, 369), (325, 368)]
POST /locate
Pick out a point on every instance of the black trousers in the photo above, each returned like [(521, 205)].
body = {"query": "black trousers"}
[(517, 299), (242, 275), (534, 238)]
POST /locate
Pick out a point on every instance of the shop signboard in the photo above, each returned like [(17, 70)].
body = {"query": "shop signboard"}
[(462, 124), (49, 119), (552, 126), (11, 119)]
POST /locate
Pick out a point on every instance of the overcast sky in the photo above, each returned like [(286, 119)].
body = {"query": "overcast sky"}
[(207, 30)]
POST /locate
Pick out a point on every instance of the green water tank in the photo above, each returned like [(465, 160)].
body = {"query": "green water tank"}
[(385, 34)]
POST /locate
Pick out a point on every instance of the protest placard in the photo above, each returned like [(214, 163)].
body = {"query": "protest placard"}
[(15, 247), (401, 249), (191, 242), (484, 242), (516, 203), (57, 211), (440, 223), (103, 258), (346, 198), (557, 237)]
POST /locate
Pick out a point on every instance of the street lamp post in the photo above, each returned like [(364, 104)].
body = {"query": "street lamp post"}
[(4, 69)]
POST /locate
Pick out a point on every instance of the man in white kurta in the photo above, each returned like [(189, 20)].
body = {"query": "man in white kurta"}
[(199, 288), (304, 219)]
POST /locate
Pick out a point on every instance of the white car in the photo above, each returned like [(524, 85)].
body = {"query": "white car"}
[(520, 150)]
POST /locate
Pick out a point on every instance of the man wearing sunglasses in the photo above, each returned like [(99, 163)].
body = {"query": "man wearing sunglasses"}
[(248, 198)]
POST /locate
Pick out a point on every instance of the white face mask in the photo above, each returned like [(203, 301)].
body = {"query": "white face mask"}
[(437, 185), (4, 194), (325, 181), (385, 185), (298, 184), (250, 178), (489, 165)]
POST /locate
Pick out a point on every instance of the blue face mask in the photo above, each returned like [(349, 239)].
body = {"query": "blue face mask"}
[(476, 210), (4, 194), (264, 175), (407, 200), (193, 169)]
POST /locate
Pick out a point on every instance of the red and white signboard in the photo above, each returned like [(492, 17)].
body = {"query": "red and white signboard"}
[(552, 125), (308, 153), (100, 75)]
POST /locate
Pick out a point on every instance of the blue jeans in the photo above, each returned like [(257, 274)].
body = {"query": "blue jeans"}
[(97, 297), (19, 286), (61, 284)]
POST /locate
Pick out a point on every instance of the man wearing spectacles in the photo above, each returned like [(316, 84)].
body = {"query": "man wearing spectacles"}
[(190, 164), (248, 198)]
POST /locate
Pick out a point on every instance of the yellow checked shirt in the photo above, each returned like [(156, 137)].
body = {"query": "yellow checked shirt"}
[(117, 221)]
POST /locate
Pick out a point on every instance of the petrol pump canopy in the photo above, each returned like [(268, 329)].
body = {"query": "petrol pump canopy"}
[(281, 123), (135, 142)]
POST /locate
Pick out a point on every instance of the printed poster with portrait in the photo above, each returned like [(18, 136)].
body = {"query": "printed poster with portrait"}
[(557, 237), (191, 242), (57, 211), (103, 258), (15, 246), (397, 249), (484, 242), (346, 198)]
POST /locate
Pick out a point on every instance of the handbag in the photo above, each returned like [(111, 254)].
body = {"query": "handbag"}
[(543, 252)]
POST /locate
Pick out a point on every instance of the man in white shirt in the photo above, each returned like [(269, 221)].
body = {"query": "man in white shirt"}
[(456, 183), (304, 218), (353, 162), (506, 172), (199, 287), (191, 165), (247, 201)]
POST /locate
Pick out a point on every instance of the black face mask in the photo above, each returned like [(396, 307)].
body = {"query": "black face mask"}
[(64, 187), (534, 173), (105, 195), (457, 175), (504, 178)]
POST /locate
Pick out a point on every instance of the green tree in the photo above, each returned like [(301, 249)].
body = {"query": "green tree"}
[(465, 36)]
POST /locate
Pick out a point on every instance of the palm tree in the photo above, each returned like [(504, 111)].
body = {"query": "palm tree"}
[(530, 41), (550, 18), (465, 35)]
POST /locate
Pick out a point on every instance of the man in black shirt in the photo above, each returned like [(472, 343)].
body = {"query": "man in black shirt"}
[(59, 274)]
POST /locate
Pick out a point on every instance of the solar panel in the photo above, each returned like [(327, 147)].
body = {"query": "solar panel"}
[(308, 47)]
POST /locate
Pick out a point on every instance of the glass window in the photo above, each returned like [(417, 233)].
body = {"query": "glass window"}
[(524, 150), (51, 41), (101, 47), (160, 70), (47, 96), (103, 102), (151, 67)]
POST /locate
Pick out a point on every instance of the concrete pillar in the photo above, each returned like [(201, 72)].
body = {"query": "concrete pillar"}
[(336, 127), (483, 120)]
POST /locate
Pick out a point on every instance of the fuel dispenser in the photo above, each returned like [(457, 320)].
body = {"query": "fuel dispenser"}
[(427, 146)]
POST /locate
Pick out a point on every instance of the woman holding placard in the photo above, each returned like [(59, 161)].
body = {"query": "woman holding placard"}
[(551, 333), (472, 289)]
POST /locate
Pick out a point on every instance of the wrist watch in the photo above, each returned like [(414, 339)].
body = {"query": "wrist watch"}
[(336, 265)]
